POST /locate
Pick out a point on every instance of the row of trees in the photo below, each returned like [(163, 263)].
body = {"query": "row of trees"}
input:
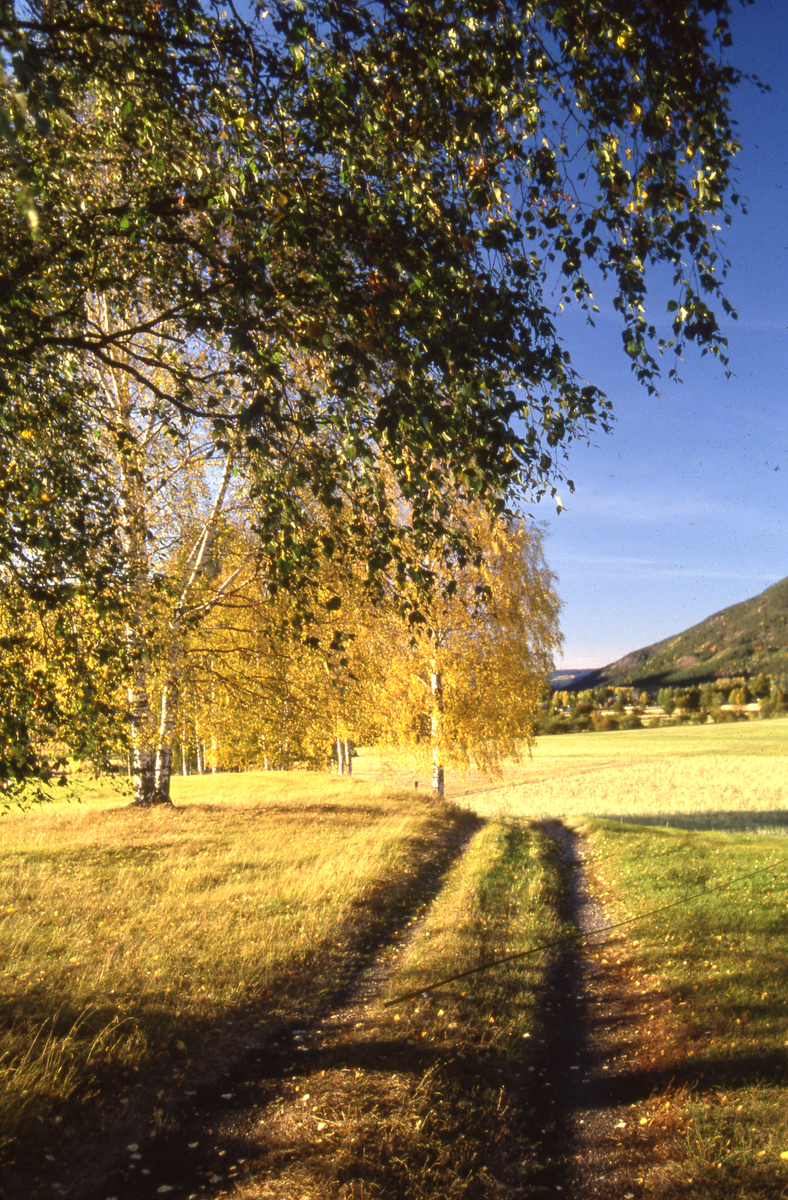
[(727, 689), (221, 671), (734, 690), (463, 685), (624, 707), (289, 287)]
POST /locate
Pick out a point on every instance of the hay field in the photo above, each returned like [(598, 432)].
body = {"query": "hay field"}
[(125, 934), (727, 777)]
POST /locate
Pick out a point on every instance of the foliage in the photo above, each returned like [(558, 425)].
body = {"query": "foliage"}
[(260, 691), (341, 237), (274, 696), (471, 679), (760, 686), (357, 187), (59, 686), (695, 705)]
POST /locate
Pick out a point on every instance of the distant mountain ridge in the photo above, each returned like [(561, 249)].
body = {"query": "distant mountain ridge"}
[(563, 679), (744, 639)]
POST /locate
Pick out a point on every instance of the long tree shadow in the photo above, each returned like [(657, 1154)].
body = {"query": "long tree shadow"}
[(592, 1022), (269, 1108), (768, 821), (565, 1021), (246, 1052), (378, 1147)]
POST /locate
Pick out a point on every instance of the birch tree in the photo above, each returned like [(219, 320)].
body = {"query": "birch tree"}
[(174, 486), (467, 683), (290, 684), (411, 194)]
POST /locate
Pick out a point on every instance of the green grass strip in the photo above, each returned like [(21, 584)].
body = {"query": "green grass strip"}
[(721, 954)]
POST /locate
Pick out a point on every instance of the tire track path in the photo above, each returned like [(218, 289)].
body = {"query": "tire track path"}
[(204, 1146), (257, 1130), (595, 1010)]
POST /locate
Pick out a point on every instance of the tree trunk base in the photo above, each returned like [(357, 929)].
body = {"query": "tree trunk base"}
[(157, 800)]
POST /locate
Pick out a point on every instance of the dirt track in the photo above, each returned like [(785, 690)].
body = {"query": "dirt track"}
[(321, 1111), (601, 1016)]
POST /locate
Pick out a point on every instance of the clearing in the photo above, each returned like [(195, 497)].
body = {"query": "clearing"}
[(193, 1001)]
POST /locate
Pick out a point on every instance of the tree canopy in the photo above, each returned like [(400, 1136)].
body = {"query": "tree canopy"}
[(340, 236), (390, 190)]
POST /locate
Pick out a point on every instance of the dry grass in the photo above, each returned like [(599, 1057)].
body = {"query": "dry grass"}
[(715, 776), (720, 791), (125, 934), (498, 899), (128, 939), (432, 1098)]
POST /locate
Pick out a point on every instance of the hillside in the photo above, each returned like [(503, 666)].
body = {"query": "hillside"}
[(569, 680), (745, 639)]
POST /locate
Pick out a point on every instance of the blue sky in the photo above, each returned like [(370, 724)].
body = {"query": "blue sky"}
[(681, 511)]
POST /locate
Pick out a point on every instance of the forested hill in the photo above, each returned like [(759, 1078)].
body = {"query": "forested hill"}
[(744, 639)]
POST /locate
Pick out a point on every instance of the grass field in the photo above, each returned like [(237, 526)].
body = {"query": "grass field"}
[(124, 934), (720, 954), (126, 937), (442, 1094), (732, 777)]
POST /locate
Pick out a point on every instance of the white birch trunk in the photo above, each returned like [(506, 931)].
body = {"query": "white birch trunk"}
[(198, 749), (129, 456), (184, 750), (214, 742), (132, 427), (348, 757), (143, 764), (436, 729), (340, 756), (170, 692)]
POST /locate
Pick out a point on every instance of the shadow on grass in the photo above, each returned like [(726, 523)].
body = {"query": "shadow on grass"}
[(771, 821), (709, 1072), (171, 1091), (597, 1059), (396, 1148), (298, 810), (503, 1116), (379, 1140)]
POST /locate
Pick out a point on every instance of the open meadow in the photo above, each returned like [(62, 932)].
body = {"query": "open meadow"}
[(144, 954), (699, 777)]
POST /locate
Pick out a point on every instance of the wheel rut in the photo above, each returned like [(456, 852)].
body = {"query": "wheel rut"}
[(594, 1012), (201, 1147), (251, 1127)]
